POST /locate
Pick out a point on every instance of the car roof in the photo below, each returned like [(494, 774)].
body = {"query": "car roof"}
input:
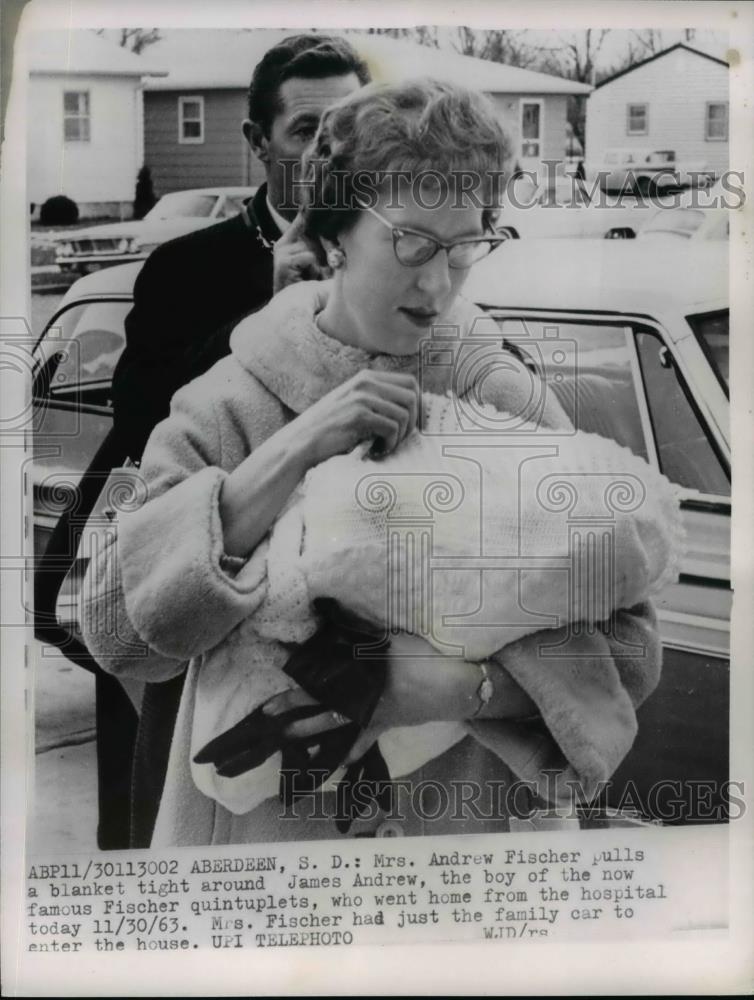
[(117, 280), (248, 189), (574, 275), (590, 275)]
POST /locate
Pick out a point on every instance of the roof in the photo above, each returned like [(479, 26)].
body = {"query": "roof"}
[(86, 53), (108, 281), (209, 60), (659, 55), (625, 276)]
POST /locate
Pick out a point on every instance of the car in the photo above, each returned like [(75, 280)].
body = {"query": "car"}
[(644, 169), (84, 250), (634, 344), (700, 215), (696, 214), (565, 206)]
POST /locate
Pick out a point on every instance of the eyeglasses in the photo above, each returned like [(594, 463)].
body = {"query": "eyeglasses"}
[(413, 249)]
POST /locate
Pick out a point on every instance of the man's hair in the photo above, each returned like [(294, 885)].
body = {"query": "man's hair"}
[(424, 126), (307, 56)]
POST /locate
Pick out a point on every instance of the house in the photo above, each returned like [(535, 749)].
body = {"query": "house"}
[(192, 116), (676, 99), (85, 121)]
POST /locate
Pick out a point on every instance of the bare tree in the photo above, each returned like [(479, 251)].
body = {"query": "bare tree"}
[(576, 59), (650, 42), (423, 34), (135, 39), (496, 45)]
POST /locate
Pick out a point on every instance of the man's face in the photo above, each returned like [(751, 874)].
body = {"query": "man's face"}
[(302, 102)]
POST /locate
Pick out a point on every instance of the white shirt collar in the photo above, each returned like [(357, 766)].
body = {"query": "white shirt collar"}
[(277, 218)]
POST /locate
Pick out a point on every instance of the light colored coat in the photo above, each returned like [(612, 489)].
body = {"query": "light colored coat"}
[(173, 596)]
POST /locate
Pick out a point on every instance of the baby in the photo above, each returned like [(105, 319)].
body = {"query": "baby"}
[(471, 543)]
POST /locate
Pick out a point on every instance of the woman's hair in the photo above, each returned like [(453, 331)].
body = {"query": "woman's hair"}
[(426, 129)]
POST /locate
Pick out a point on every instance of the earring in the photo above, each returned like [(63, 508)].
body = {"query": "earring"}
[(335, 259)]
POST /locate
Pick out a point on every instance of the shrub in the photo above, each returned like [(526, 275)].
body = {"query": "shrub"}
[(59, 211), (145, 197)]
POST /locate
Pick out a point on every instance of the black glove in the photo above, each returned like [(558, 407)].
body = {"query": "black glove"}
[(326, 668)]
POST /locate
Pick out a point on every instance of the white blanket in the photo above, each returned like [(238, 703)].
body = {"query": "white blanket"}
[(470, 542)]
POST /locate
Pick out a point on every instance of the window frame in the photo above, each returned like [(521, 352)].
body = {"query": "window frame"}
[(656, 332), (540, 138), (707, 120), (79, 117), (44, 350), (691, 498), (635, 131), (184, 140)]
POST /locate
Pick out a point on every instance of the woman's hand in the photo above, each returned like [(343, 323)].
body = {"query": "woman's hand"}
[(372, 405), (383, 406), (422, 685)]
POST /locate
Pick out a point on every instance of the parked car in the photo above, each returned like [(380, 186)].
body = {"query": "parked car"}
[(567, 207), (85, 250), (633, 341), (695, 214), (644, 169), (700, 215), (634, 344)]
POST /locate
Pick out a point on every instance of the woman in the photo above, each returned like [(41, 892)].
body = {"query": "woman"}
[(322, 368)]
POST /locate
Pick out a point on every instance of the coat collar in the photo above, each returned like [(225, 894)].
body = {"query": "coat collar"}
[(283, 347)]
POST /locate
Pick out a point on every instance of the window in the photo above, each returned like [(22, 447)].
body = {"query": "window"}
[(711, 330), (76, 116), (93, 338), (716, 127), (637, 119), (592, 370), (72, 405), (190, 120), (684, 450), (531, 126), (588, 367), (183, 204)]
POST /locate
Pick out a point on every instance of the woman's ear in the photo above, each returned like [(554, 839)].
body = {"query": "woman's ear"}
[(257, 140)]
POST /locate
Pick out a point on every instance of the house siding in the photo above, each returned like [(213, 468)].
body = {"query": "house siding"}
[(225, 159), (100, 172), (222, 159), (552, 126), (676, 89)]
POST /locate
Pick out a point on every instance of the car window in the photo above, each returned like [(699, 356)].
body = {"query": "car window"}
[(711, 330), (182, 203), (72, 405), (91, 340), (685, 452), (231, 205), (588, 367)]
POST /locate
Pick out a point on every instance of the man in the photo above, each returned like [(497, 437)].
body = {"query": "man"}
[(189, 295), (192, 291)]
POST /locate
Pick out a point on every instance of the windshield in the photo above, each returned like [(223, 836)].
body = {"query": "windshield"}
[(711, 331), (182, 203)]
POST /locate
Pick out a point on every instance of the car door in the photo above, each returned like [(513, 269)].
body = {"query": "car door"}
[(630, 381), (74, 450)]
